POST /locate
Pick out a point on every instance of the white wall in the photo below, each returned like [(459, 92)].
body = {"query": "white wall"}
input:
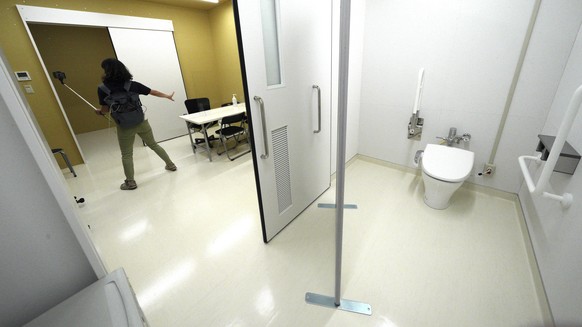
[(41, 261), (469, 50), (552, 39), (556, 233)]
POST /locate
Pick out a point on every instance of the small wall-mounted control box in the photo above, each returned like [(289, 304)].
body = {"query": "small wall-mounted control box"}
[(22, 76), (568, 159)]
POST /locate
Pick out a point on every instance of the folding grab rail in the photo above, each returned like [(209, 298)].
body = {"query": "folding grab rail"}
[(565, 199)]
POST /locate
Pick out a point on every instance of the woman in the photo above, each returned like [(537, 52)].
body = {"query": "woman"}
[(114, 78)]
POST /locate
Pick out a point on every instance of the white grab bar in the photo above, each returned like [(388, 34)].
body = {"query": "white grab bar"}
[(528, 180), (566, 199), (538, 189), (419, 88)]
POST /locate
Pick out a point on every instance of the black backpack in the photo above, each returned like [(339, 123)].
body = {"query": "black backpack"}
[(125, 106)]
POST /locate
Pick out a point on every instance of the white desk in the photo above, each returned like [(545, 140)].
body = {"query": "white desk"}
[(204, 117)]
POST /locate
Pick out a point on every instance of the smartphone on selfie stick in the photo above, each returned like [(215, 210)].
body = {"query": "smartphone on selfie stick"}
[(61, 77)]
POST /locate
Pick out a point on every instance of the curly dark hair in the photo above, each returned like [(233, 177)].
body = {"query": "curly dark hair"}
[(115, 71)]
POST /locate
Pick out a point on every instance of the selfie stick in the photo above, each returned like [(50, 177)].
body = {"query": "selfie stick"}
[(61, 77)]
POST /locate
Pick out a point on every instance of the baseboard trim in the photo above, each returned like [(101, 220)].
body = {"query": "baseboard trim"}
[(543, 301)]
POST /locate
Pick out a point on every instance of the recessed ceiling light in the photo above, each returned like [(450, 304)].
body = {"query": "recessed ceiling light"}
[(213, 1)]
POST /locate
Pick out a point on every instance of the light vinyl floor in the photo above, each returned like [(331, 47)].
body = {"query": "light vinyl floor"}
[(190, 242)]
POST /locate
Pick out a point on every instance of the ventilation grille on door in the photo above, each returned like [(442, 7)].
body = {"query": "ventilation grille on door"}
[(282, 171)]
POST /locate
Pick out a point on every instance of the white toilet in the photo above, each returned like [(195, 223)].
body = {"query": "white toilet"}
[(444, 169)]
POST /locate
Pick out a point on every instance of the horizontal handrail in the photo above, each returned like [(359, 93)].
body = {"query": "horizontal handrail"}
[(565, 199), (538, 189), (528, 180)]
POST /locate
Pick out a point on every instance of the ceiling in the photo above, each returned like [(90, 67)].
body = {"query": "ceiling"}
[(194, 4)]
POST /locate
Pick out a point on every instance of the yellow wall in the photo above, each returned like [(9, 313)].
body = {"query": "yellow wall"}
[(226, 52), (77, 51), (194, 44)]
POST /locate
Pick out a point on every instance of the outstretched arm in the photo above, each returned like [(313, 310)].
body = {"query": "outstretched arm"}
[(162, 95)]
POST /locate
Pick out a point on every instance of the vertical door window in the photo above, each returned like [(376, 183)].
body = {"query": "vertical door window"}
[(270, 22)]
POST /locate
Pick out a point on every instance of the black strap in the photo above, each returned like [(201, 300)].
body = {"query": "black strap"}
[(105, 89)]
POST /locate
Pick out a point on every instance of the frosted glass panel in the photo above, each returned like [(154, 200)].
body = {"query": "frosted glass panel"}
[(271, 41)]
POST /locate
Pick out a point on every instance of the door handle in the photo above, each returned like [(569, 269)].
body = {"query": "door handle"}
[(264, 123), (318, 109)]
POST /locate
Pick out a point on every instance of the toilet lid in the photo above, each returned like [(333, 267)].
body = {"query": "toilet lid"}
[(447, 163)]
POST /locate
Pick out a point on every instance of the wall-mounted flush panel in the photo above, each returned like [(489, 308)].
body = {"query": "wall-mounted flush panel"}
[(568, 159)]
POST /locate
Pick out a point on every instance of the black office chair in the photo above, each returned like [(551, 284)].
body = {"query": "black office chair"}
[(229, 130), (194, 106), (230, 104), (65, 158)]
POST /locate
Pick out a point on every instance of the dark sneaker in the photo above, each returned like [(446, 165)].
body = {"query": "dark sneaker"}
[(128, 185), (171, 167)]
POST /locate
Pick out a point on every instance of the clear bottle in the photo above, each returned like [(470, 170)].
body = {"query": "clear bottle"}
[(234, 101)]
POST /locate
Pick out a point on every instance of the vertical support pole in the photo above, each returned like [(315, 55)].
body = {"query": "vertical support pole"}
[(344, 60), (327, 301)]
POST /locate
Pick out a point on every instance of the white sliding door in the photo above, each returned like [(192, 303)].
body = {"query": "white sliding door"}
[(287, 52), (152, 59)]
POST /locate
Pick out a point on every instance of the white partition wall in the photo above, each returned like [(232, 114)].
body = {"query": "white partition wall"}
[(45, 255), (152, 59), (469, 50), (555, 231)]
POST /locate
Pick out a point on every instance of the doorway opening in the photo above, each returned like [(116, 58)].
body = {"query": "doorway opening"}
[(101, 168)]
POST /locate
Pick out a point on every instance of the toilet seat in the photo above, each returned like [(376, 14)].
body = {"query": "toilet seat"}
[(446, 163)]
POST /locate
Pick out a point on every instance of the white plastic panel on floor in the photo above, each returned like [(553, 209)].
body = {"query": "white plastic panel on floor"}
[(107, 302)]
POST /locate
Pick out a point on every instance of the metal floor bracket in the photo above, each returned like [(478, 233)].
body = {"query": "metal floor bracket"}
[(332, 206), (346, 305)]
